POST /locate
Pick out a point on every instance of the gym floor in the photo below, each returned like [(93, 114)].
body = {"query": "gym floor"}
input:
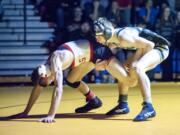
[(166, 99)]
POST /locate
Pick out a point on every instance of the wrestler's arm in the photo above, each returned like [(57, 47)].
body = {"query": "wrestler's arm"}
[(32, 99), (56, 66), (114, 67), (34, 95), (141, 44), (132, 58), (101, 65)]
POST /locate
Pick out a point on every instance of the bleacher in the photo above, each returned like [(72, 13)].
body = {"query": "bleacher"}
[(20, 53)]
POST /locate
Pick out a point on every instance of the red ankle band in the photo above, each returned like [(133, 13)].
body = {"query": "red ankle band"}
[(90, 95)]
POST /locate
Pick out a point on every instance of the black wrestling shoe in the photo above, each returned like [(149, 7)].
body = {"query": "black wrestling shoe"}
[(92, 104), (121, 108)]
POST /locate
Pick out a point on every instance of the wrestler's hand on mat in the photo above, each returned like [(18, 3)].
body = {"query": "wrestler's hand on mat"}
[(48, 119), (19, 115)]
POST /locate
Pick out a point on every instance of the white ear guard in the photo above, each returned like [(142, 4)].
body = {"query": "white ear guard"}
[(44, 71)]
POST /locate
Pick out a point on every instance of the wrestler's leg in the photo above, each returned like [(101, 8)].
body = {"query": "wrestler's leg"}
[(119, 72), (77, 73), (116, 69), (125, 80), (141, 66), (144, 63)]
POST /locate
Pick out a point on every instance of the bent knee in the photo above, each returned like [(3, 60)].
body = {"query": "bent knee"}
[(138, 68), (73, 84)]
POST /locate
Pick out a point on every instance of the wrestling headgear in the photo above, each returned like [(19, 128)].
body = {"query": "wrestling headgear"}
[(103, 27), (44, 71), (40, 75)]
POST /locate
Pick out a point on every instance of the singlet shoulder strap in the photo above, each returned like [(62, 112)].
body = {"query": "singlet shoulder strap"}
[(119, 30)]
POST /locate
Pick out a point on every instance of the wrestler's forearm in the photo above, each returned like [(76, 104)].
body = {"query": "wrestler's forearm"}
[(136, 56), (34, 95), (56, 97), (57, 94)]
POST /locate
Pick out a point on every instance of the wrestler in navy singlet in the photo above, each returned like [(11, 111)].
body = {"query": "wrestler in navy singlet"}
[(161, 44)]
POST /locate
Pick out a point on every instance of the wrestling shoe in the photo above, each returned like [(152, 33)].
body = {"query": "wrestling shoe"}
[(91, 104), (146, 112), (121, 108)]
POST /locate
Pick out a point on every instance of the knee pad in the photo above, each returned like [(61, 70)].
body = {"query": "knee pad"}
[(74, 84)]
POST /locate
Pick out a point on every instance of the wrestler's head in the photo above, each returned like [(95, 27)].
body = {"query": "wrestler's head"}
[(41, 75), (103, 30)]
